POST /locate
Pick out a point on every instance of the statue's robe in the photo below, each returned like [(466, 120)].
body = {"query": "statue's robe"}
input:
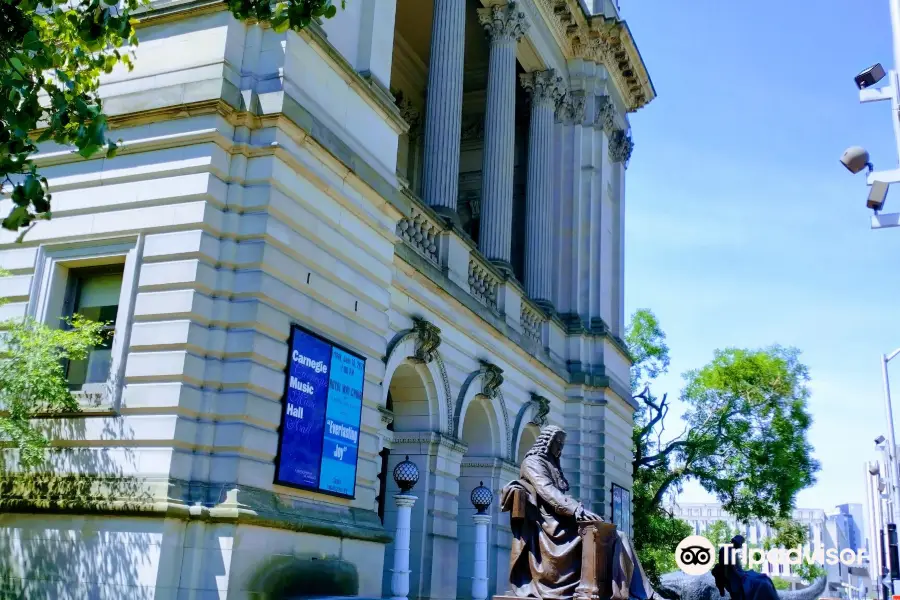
[(546, 550)]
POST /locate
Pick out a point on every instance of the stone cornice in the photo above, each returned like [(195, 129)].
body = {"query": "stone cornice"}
[(604, 40)]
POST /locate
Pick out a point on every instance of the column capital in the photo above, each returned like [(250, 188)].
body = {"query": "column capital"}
[(481, 519), (544, 87), (606, 115), (620, 147), (503, 22), (405, 500), (571, 108)]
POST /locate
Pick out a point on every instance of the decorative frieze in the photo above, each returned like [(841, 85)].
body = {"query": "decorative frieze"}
[(531, 320), (420, 232), (604, 40), (428, 339), (483, 284), (620, 147)]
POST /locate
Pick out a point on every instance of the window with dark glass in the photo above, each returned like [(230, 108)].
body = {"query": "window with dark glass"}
[(94, 294)]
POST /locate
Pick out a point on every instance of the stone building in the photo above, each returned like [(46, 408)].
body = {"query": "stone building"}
[(466, 243)]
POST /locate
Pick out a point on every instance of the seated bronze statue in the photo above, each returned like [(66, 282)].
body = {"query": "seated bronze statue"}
[(560, 549)]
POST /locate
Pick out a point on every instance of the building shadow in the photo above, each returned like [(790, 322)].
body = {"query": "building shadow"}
[(72, 528)]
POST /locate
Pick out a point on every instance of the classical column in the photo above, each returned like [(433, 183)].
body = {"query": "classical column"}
[(545, 89), (400, 576), (443, 108), (505, 25), (480, 574), (481, 500)]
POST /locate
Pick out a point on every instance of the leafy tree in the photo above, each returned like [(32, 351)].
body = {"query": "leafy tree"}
[(745, 435), (780, 584), (52, 53), (808, 571), (720, 533), (656, 535), (33, 379)]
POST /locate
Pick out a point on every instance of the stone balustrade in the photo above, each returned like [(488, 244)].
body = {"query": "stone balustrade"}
[(483, 283), (461, 268), (532, 320), (420, 232)]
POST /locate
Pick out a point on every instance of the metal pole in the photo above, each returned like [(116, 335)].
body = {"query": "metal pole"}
[(886, 460), (873, 538), (895, 102), (892, 440)]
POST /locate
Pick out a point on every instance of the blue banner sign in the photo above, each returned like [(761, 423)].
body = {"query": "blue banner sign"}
[(319, 441)]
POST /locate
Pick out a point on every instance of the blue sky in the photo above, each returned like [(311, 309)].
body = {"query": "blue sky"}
[(743, 229)]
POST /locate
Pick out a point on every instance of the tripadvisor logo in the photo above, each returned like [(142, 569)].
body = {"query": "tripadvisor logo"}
[(695, 555)]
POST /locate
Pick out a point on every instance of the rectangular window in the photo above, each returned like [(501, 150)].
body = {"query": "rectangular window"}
[(94, 293)]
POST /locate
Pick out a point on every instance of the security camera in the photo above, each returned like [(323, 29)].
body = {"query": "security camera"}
[(879, 439), (856, 159), (874, 469), (877, 195), (870, 76)]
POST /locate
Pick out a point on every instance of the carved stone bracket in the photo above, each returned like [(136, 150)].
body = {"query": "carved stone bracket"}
[(570, 110), (541, 409), (492, 379), (428, 339), (620, 147), (606, 115), (410, 113)]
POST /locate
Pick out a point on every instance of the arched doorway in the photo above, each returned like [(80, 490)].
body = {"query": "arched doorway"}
[(481, 434), (409, 403)]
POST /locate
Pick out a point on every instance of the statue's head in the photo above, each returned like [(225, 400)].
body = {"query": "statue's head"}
[(549, 443)]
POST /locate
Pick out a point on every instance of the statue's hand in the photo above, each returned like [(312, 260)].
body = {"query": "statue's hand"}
[(585, 516)]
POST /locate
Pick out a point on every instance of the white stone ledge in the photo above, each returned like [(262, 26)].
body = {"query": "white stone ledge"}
[(15, 288), (118, 223), (18, 260)]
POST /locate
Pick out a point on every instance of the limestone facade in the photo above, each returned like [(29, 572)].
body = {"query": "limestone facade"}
[(307, 178)]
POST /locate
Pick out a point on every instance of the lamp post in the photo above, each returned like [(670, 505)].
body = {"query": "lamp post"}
[(481, 500), (892, 475), (406, 474), (877, 525)]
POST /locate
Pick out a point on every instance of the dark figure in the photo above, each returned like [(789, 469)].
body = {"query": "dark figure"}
[(546, 555), (741, 584)]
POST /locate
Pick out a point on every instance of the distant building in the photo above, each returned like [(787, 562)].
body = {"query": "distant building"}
[(844, 528), (840, 529)]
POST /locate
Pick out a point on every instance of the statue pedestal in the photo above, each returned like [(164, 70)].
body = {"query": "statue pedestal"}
[(598, 542)]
